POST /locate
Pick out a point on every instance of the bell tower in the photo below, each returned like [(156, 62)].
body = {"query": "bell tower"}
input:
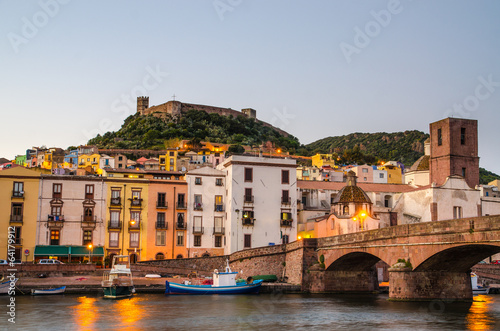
[(454, 150)]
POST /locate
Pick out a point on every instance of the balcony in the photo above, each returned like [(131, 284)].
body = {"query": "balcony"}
[(248, 221), (18, 194), (180, 226), (89, 220), (286, 223), (113, 243), (285, 201), (181, 205), (197, 206), (197, 229), (55, 221), (135, 226), (161, 205), (16, 218), (219, 208), (117, 225), (115, 201), (219, 230), (248, 200), (15, 241), (135, 203), (161, 225), (95, 162)]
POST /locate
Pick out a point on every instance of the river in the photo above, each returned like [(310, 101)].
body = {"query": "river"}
[(248, 312)]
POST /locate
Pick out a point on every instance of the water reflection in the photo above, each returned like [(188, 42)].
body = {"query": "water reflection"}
[(85, 313), (130, 311), (479, 317)]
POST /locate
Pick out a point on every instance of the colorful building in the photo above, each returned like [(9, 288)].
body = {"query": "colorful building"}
[(320, 160), (394, 172), (18, 207), (168, 161)]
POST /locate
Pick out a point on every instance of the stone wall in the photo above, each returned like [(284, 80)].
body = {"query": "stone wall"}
[(33, 270), (200, 265)]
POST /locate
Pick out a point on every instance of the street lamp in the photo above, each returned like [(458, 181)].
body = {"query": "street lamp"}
[(89, 246), (361, 216)]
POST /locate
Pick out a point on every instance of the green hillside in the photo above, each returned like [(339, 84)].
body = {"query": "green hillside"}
[(405, 147), (149, 132)]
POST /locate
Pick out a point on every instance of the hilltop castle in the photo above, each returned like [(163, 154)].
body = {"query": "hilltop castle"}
[(176, 108)]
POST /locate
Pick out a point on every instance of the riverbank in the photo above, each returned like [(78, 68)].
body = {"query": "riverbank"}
[(92, 284)]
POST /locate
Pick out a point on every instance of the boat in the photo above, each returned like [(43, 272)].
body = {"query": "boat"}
[(5, 285), (117, 283), (59, 290), (476, 289), (223, 283)]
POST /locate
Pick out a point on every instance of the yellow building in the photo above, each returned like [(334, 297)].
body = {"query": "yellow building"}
[(18, 210), (127, 218), (394, 172), (320, 160), (90, 161), (168, 161)]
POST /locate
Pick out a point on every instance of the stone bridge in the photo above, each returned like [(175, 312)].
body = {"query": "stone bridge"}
[(440, 256)]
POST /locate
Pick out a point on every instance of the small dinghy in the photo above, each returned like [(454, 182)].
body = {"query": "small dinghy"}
[(59, 290)]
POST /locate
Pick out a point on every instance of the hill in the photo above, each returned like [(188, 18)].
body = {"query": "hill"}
[(405, 147), (150, 132)]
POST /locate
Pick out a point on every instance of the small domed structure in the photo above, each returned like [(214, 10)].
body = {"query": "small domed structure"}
[(351, 199)]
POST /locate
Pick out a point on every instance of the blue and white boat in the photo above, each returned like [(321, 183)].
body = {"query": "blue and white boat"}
[(5, 285), (223, 283), (59, 290), (477, 289)]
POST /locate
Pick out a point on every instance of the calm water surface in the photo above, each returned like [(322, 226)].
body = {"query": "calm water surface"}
[(252, 312)]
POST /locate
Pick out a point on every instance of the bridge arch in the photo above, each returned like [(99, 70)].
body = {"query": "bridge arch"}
[(457, 259), (355, 261)]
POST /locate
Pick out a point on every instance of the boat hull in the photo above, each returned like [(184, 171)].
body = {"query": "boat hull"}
[(174, 288), (117, 292), (59, 290)]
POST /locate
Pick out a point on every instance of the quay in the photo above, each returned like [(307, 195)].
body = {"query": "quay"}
[(84, 284)]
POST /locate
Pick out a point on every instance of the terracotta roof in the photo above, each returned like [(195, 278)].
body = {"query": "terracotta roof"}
[(367, 187), (352, 194), (421, 164)]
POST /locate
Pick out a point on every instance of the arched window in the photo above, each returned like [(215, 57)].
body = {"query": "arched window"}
[(346, 210), (205, 255), (160, 256), (179, 256)]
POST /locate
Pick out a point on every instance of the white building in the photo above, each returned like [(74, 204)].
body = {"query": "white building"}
[(206, 212), (261, 204)]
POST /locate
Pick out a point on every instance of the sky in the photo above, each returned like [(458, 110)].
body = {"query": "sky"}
[(72, 69)]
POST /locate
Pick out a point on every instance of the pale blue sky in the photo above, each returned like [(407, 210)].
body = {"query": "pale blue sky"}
[(69, 77)]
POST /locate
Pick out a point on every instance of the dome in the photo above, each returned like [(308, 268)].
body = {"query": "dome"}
[(421, 164)]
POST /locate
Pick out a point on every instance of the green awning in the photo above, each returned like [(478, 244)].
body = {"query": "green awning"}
[(67, 250), (84, 251), (51, 250)]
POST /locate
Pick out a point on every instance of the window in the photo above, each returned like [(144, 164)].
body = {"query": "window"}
[(115, 218), (181, 202), (285, 198), (285, 239), (248, 175), (171, 162), (113, 239), (162, 200), (218, 225), (162, 160), (87, 237), (247, 241), (160, 256), (463, 172), (134, 239), (17, 212), (56, 191), (55, 210), (197, 241), (248, 195), (197, 202), (365, 170), (462, 136), (247, 214), (18, 190), (381, 175), (218, 241), (457, 212), (120, 158), (180, 238), (88, 214), (180, 221), (197, 180), (160, 221), (218, 203), (286, 216), (161, 237), (136, 195), (136, 217), (218, 181), (197, 224), (285, 177), (171, 153), (440, 137), (365, 179), (54, 237)]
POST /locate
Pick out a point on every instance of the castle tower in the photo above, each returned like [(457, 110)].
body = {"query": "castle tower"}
[(251, 113), (454, 150), (142, 104)]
